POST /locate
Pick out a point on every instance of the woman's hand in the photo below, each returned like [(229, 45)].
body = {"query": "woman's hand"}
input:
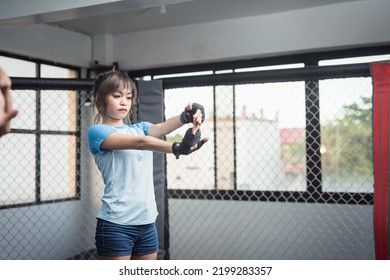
[(190, 143), (191, 112)]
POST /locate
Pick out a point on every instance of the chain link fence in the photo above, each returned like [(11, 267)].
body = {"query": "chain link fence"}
[(49, 192), (286, 174)]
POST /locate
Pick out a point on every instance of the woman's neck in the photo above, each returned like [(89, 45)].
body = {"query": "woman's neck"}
[(113, 122)]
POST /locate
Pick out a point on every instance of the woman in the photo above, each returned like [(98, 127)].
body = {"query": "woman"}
[(123, 153)]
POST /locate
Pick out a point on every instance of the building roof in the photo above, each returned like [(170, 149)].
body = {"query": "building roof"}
[(290, 136)]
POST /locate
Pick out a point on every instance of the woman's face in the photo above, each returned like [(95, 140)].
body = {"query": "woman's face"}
[(118, 104)]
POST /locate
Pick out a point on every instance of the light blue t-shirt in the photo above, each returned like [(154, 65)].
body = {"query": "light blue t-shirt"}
[(128, 197)]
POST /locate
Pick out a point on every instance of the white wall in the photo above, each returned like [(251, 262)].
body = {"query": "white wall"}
[(328, 27), (49, 43)]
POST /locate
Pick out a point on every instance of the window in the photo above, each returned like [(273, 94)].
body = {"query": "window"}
[(270, 132), (39, 156), (256, 138), (346, 129), (346, 135), (182, 172), (354, 60)]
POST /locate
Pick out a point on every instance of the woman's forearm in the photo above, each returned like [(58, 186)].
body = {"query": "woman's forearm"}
[(164, 128), (117, 141)]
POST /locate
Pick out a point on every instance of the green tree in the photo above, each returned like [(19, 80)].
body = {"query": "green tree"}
[(348, 142)]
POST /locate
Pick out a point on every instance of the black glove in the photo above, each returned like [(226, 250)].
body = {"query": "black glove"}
[(187, 115), (189, 140)]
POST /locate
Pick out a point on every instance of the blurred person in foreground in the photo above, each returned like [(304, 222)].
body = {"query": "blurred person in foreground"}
[(6, 112)]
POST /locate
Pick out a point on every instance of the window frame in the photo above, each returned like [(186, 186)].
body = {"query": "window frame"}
[(38, 132)]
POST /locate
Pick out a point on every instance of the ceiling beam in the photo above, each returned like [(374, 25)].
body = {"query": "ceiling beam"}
[(23, 12)]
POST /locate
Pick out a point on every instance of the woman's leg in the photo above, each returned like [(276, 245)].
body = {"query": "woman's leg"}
[(133, 257), (146, 246), (113, 258), (133, 242), (151, 257), (113, 241)]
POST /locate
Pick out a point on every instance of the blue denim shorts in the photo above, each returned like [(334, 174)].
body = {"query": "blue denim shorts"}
[(114, 240)]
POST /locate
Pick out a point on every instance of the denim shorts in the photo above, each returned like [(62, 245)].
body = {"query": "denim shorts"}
[(114, 240)]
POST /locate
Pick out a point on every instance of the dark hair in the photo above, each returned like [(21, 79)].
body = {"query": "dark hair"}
[(108, 82)]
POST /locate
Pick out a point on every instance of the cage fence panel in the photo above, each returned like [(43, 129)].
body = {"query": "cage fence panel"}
[(49, 189), (292, 170)]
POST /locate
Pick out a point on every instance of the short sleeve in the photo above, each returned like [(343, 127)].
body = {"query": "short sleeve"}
[(144, 126), (96, 136)]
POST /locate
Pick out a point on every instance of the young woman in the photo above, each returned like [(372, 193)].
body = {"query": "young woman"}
[(123, 153)]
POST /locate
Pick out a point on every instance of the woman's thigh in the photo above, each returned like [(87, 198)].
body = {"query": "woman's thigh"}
[(114, 241)]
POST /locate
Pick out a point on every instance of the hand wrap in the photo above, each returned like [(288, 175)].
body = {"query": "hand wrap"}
[(189, 140), (187, 115)]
